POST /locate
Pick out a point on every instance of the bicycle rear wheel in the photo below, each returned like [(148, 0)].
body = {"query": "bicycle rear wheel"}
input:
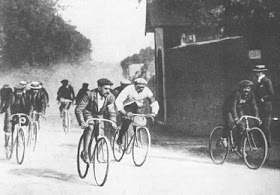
[(217, 150), (65, 121), (20, 150), (33, 135), (255, 148), (141, 146), (81, 165), (10, 146), (119, 150), (101, 160)]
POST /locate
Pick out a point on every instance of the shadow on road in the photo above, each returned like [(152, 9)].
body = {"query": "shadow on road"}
[(45, 173)]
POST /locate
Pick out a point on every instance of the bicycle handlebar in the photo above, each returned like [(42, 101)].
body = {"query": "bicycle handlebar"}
[(100, 120), (246, 117), (39, 113), (65, 101)]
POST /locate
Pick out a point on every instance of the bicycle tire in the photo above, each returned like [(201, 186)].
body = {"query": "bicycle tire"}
[(255, 148), (34, 132), (119, 150), (9, 152), (101, 160), (64, 121), (141, 145), (20, 144), (80, 162), (217, 151)]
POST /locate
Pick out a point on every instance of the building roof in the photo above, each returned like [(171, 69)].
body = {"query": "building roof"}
[(159, 16)]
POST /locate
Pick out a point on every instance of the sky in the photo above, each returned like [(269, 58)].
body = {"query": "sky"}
[(116, 28)]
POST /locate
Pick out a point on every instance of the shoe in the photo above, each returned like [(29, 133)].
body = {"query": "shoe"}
[(224, 142), (119, 141), (84, 157)]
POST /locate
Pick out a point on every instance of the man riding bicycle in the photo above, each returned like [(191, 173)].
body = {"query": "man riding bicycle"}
[(36, 98), (16, 103), (96, 103), (241, 102), (65, 92), (130, 100)]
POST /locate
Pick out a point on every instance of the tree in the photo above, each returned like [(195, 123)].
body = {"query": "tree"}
[(36, 34)]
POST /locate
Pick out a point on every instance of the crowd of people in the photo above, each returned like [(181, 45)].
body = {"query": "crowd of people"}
[(99, 102)]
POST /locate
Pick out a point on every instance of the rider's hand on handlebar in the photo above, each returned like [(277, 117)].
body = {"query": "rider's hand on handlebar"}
[(238, 121), (129, 114), (114, 125), (153, 115), (83, 125)]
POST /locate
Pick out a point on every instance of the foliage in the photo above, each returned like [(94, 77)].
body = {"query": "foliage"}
[(145, 56), (36, 34)]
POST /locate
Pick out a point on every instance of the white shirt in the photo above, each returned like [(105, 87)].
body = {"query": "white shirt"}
[(100, 101), (260, 78), (129, 95)]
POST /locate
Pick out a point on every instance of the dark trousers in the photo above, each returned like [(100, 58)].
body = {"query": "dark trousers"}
[(126, 122), (265, 110)]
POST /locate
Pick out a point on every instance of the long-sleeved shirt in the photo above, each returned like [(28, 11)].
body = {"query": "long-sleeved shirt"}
[(129, 95), (264, 90)]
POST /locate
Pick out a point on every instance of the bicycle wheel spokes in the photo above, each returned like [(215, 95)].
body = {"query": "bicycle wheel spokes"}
[(118, 150), (20, 150), (141, 146), (81, 165), (255, 148), (218, 151), (101, 161)]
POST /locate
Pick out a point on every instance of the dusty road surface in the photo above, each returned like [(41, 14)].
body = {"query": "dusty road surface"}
[(175, 165)]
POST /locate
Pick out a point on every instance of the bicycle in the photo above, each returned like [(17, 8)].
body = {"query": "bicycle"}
[(33, 130), (99, 156), (66, 119), (17, 137), (253, 145), (139, 143)]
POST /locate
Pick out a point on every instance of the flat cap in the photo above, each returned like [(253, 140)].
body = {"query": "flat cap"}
[(140, 81), (64, 81), (125, 82), (245, 83), (103, 81)]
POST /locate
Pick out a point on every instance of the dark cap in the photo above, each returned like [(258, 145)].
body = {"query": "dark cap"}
[(245, 83), (85, 84), (64, 81), (102, 82)]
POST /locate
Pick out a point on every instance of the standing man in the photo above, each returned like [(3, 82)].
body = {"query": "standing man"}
[(65, 92), (264, 94), (98, 102), (81, 93)]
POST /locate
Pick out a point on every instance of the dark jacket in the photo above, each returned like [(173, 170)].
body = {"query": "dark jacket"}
[(238, 105), (88, 107), (81, 94), (5, 93), (66, 93), (38, 102), (264, 90)]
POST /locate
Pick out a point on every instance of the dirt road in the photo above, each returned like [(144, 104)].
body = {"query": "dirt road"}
[(174, 166)]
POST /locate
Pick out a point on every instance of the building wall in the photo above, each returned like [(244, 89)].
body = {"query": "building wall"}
[(198, 78)]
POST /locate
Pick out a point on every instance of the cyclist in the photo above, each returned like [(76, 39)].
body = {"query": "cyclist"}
[(98, 102), (65, 92), (45, 93), (17, 103), (124, 83), (241, 102), (82, 92), (5, 93), (36, 98), (130, 100)]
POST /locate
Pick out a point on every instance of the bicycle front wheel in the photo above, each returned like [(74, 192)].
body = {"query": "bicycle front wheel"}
[(217, 150), (20, 148), (255, 148), (141, 146), (119, 150), (81, 165), (101, 160)]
